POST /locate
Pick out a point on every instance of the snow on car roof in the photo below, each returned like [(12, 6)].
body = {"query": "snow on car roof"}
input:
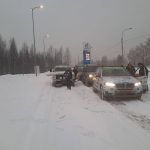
[(61, 66)]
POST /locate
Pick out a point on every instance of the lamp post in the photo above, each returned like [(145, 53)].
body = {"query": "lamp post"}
[(37, 7), (127, 29), (46, 36)]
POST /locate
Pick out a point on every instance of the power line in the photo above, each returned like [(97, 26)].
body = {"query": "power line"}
[(138, 37), (118, 43)]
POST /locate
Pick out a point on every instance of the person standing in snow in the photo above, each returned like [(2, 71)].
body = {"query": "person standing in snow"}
[(75, 71), (68, 77), (143, 71), (131, 69)]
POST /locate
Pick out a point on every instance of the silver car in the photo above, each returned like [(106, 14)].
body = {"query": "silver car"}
[(114, 82)]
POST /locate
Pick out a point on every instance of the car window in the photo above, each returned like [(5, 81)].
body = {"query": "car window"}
[(91, 68), (115, 72)]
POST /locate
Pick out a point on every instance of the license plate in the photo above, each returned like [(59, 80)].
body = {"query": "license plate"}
[(124, 92)]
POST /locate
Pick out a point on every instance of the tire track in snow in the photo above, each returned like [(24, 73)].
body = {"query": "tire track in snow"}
[(39, 129), (141, 119)]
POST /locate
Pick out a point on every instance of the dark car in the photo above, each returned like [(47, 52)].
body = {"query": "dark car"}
[(58, 78), (88, 74)]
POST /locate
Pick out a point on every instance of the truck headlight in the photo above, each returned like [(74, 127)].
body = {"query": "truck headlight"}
[(110, 84), (137, 84), (94, 78), (90, 76)]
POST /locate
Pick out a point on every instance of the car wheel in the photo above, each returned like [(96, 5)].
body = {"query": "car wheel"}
[(147, 88), (83, 80), (101, 93), (139, 97), (86, 83), (94, 89)]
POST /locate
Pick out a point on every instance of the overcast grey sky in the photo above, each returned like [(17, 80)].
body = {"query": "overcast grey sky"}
[(72, 22)]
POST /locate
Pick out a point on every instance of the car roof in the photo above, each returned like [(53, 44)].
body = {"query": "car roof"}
[(112, 67), (61, 66)]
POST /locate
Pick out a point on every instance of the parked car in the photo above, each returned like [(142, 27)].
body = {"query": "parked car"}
[(58, 78), (114, 82), (88, 74)]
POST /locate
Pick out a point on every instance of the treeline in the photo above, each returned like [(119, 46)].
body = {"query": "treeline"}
[(14, 61), (140, 53)]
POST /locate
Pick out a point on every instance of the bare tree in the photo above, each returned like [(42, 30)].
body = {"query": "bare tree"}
[(67, 57), (104, 61), (13, 57)]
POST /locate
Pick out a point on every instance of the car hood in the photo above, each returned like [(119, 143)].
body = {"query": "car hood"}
[(120, 79), (91, 73)]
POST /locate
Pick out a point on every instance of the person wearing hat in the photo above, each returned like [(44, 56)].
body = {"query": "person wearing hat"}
[(143, 71), (75, 70), (68, 77)]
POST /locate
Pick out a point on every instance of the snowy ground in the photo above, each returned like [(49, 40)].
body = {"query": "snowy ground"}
[(36, 116)]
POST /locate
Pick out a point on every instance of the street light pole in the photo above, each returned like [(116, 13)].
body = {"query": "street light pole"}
[(122, 46), (34, 46)]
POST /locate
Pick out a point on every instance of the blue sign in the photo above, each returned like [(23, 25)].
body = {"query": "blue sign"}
[(86, 57), (87, 54)]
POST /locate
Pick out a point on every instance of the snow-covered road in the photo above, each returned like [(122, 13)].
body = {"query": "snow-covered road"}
[(36, 116)]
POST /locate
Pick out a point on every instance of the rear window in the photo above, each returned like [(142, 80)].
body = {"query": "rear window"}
[(91, 68)]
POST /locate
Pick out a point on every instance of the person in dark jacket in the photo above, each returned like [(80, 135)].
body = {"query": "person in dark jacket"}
[(131, 69), (143, 71), (75, 71), (68, 77)]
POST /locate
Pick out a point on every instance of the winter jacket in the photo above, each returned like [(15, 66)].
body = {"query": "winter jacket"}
[(68, 74), (143, 71)]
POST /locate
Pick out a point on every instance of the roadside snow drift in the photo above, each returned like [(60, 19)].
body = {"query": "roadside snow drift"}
[(36, 116)]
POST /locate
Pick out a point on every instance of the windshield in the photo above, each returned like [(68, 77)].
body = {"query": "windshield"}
[(60, 68), (80, 68), (91, 68), (115, 72)]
